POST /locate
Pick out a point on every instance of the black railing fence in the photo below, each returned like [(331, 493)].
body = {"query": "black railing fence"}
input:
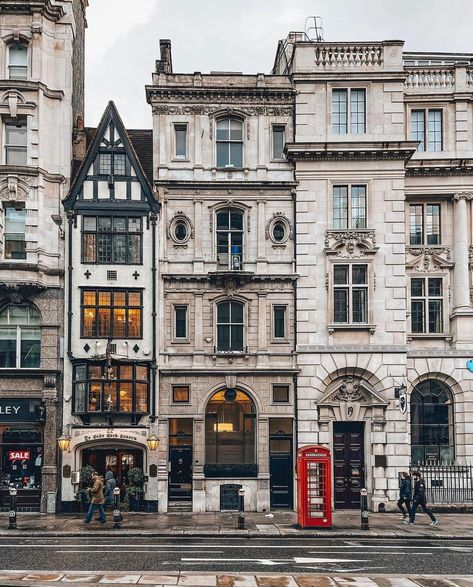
[(446, 483)]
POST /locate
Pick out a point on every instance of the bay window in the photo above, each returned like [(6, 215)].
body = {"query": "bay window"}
[(20, 337), (107, 313)]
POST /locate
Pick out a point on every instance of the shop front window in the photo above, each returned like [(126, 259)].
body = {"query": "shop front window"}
[(124, 389), (432, 439), (230, 424), (20, 337), (21, 458)]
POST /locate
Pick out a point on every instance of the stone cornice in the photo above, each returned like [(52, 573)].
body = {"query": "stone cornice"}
[(342, 151), (31, 86), (44, 7), (441, 167), (224, 188)]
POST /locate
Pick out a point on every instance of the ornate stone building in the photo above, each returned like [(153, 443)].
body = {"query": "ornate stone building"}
[(226, 266), (383, 152), (41, 79)]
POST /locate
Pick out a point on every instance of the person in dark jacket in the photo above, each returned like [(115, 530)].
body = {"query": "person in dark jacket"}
[(110, 485), (419, 499), (405, 494)]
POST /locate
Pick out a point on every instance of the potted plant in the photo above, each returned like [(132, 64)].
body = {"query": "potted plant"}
[(134, 490), (85, 481)]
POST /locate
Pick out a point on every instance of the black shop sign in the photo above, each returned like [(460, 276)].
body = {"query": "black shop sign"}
[(21, 410)]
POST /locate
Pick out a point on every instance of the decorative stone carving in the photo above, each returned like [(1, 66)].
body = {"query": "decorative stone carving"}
[(349, 244), (428, 259), (279, 217), (463, 196), (470, 256), (13, 188), (170, 229), (350, 391), (247, 110)]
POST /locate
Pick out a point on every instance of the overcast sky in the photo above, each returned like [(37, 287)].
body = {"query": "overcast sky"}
[(122, 39)]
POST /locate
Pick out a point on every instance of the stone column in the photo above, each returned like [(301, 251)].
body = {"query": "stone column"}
[(49, 469), (461, 284)]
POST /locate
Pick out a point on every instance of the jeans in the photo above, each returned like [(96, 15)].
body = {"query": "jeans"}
[(422, 503), (90, 513), (400, 504)]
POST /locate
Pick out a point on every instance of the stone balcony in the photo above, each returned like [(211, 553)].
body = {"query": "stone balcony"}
[(438, 79)]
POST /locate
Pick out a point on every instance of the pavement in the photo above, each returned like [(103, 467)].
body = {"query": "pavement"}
[(282, 524), (188, 579)]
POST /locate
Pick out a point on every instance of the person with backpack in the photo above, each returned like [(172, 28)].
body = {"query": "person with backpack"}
[(419, 499), (405, 494), (110, 485)]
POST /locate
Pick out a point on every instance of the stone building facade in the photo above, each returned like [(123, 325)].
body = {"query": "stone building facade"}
[(40, 99), (226, 270), (383, 150)]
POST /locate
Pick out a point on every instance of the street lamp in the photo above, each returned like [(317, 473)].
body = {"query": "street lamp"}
[(153, 441), (64, 442)]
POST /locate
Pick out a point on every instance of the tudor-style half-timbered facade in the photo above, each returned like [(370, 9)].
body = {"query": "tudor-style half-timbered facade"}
[(110, 371)]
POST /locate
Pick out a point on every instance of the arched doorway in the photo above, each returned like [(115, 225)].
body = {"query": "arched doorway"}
[(432, 438)]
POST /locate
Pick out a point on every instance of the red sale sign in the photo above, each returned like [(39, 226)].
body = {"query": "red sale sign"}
[(19, 455)]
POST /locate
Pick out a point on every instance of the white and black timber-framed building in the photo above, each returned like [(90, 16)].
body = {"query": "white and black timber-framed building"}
[(111, 296), (226, 263)]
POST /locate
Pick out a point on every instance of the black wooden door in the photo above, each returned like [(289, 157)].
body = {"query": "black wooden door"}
[(280, 469), (349, 464), (180, 474)]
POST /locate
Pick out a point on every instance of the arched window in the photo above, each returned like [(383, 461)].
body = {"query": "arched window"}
[(20, 337), (229, 142), (230, 429), (18, 61), (230, 326), (230, 239), (432, 422)]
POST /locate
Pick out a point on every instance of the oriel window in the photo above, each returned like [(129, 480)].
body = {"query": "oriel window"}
[(16, 142), (20, 337), (18, 61), (15, 240), (111, 313)]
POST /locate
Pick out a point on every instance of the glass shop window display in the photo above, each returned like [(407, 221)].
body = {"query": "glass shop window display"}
[(21, 458)]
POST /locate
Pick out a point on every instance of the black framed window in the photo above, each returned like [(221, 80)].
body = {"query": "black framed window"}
[(432, 425), (15, 233), (279, 322), (280, 393), (349, 206), (112, 163), (424, 224), (109, 313), (180, 322), (18, 61), (348, 111), (122, 389), (230, 326), (230, 142), (181, 394), (279, 140), (112, 240), (229, 234), (427, 305), (20, 337), (230, 426), (350, 294), (426, 128)]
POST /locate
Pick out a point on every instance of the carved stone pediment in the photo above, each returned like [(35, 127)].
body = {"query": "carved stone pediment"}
[(350, 244), (428, 259)]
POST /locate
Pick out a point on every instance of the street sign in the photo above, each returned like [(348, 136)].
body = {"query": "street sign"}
[(469, 365)]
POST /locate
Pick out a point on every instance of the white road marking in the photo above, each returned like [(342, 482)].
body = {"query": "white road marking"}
[(408, 547), (306, 560), (113, 550)]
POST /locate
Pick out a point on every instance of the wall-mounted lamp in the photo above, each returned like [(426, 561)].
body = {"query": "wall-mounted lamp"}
[(152, 441), (58, 222), (64, 442)]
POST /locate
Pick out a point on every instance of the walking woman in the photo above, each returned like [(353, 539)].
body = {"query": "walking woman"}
[(405, 494)]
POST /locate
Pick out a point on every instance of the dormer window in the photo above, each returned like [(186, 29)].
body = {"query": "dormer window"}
[(230, 143), (18, 61)]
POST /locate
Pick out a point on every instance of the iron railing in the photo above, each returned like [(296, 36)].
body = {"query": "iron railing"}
[(446, 483)]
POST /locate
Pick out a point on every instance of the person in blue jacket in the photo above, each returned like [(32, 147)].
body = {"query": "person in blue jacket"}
[(405, 494)]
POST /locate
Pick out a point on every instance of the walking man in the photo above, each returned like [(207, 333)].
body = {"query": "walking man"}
[(405, 494), (420, 500), (97, 499)]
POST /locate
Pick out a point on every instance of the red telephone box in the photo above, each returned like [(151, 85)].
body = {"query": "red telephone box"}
[(314, 487)]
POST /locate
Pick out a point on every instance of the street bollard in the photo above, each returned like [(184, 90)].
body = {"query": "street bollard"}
[(117, 517), (364, 509), (12, 512), (241, 509)]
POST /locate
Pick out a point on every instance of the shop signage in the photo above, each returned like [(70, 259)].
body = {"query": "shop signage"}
[(111, 434), (19, 455), (20, 410)]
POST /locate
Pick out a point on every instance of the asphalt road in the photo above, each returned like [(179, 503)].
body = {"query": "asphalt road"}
[(221, 555)]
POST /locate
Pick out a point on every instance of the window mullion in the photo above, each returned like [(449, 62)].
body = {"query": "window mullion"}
[(18, 347)]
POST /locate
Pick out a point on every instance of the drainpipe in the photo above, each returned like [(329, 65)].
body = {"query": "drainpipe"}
[(70, 221), (154, 219)]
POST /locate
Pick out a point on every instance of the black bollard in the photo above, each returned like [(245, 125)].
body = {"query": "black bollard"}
[(364, 510), (241, 509), (12, 512), (117, 517)]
